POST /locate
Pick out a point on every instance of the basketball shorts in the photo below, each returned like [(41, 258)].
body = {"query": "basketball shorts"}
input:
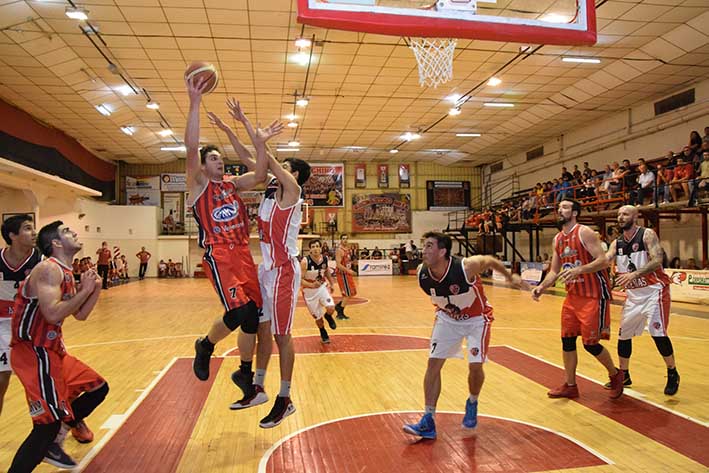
[(232, 272), (347, 284), (647, 306), (51, 381), (586, 316), (317, 300), (448, 335), (5, 337), (279, 287)]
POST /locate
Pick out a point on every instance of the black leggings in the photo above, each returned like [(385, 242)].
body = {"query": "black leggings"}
[(34, 448)]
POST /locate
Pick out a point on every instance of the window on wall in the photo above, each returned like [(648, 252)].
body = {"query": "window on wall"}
[(497, 167), (676, 101), (535, 153)]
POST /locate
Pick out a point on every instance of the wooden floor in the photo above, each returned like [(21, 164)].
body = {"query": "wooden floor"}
[(177, 424)]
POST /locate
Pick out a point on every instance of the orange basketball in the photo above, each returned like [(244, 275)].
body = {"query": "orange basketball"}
[(205, 71)]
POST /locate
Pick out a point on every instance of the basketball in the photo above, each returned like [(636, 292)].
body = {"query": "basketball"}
[(205, 71)]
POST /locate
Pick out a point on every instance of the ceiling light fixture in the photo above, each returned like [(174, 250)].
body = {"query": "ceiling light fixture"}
[(453, 98), (287, 149), (291, 117), (301, 58), (182, 148), (454, 111), (499, 104), (494, 82), (585, 60), (556, 18), (125, 90), (128, 130), (77, 13), (165, 132), (303, 43), (393, 151), (104, 109), (302, 102), (294, 143), (408, 136), (153, 105), (292, 124), (468, 135)]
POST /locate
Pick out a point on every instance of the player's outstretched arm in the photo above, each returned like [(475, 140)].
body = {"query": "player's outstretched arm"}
[(550, 279), (195, 176), (244, 154), (479, 264)]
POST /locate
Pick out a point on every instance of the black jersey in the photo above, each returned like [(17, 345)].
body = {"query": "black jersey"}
[(10, 278)]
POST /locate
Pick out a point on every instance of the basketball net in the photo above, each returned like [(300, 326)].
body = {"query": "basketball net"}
[(435, 59)]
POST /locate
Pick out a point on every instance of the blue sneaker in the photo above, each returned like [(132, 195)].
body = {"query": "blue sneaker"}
[(470, 421), (426, 427)]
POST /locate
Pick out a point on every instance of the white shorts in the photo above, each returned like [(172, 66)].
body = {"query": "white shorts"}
[(279, 290), (447, 338), (5, 337), (317, 300), (645, 307)]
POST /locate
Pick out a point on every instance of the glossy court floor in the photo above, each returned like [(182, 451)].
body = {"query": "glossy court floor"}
[(353, 395)]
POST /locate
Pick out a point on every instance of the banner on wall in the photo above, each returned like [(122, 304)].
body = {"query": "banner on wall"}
[(382, 267), (173, 182), (383, 176), (143, 190), (531, 272), (689, 285), (381, 213), (326, 186), (252, 201), (404, 176), (360, 175)]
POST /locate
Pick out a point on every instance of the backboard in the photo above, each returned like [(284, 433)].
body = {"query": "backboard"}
[(564, 22)]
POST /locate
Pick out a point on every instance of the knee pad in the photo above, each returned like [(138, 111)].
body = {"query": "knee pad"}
[(245, 316), (664, 345), (101, 392), (594, 349), (250, 324), (625, 348), (568, 343)]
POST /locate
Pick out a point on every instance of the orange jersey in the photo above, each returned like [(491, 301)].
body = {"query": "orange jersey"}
[(28, 322), (346, 259), (572, 253), (221, 215)]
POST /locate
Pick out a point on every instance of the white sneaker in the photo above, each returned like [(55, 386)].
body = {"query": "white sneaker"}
[(258, 397)]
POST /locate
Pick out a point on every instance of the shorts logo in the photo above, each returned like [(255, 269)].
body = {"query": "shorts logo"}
[(474, 351), (36, 409), (51, 335), (657, 325), (225, 212), (454, 288)]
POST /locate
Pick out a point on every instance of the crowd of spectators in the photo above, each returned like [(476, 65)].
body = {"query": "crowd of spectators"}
[(170, 269)]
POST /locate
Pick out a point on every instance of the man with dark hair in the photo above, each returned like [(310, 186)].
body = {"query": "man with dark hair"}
[(103, 263), (143, 256), (345, 273), (223, 224), (462, 312), (579, 260), (61, 390), (16, 262), (316, 279)]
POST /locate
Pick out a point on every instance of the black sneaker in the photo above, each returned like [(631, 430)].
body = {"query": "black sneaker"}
[(56, 456), (282, 408), (672, 383), (244, 381), (324, 337), (330, 321), (627, 382), (200, 365)]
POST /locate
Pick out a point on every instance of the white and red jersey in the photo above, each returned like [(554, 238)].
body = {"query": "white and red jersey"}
[(28, 322), (455, 296), (278, 229), (221, 215), (10, 278), (573, 253), (631, 255)]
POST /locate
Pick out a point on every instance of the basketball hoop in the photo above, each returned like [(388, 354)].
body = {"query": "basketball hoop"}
[(435, 59)]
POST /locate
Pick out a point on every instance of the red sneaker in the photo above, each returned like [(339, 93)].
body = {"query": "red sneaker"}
[(82, 433), (617, 384), (564, 390)]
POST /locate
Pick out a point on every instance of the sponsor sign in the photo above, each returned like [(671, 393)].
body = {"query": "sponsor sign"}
[(383, 267), (532, 272)]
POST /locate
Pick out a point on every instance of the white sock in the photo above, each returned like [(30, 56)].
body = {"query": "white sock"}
[(473, 397), (285, 389), (430, 410)]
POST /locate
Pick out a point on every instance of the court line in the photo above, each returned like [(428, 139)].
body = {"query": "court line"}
[(263, 463), (132, 340), (109, 435), (629, 392)]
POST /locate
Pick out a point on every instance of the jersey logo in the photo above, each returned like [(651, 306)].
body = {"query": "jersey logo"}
[(474, 351), (636, 246), (454, 289), (51, 335), (225, 212)]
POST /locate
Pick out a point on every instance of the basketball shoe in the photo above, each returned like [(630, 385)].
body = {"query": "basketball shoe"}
[(426, 427), (202, 354), (672, 382), (282, 408), (82, 433), (244, 381), (627, 382), (470, 421), (256, 396), (330, 321), (570, 392), (617, 384), (56, 456)]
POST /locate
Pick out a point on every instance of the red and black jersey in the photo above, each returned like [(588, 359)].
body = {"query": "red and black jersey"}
[(572, 253), (221, 215)]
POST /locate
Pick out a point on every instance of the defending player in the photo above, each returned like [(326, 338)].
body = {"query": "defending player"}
[(316, 278)]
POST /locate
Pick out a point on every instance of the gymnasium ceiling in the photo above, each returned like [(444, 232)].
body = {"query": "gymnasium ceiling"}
[(363, 88)]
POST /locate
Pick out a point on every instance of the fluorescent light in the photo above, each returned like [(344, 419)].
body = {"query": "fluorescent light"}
[(556, 18), (128, 130), (499, 104), (294, 144), (77, 13), (174, 148), (454, 111), (587, 60), (494, 82), (302, 102), (153, 105), (408, 136), (165, 132), (291, 117), (453, 98), (292, 124), (301, 58), (104, 109), (287, 149), (393, 151), (468, 135), (125, 90), (303, 43)]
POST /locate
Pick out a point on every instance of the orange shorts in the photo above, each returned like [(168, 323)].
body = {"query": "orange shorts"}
[(586, 316), (347, 284), (51, 381), (232, 271)]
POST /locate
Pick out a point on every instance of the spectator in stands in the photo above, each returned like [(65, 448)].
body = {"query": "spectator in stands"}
[(376, 253), (364, 254), (706, 134), (691, 264), (567, 174), (577, 172), (124, 273), (76, 270), (586, 170), (675, 263), (695, 141), (664, 177), (650, 167), (162, 269), (178, 270), (682, 178), (606, 178), (541, 198), (528, 206), (646, 183), (565, 190), (170, 268), (703, 178)]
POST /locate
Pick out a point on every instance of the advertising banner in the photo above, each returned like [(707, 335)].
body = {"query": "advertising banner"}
[(381, 267), (383, 176), (532, 272), (689, 285), (173, 182), (360, 175), (326, 186), (404, 176), (143, 190), (381, 213)]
